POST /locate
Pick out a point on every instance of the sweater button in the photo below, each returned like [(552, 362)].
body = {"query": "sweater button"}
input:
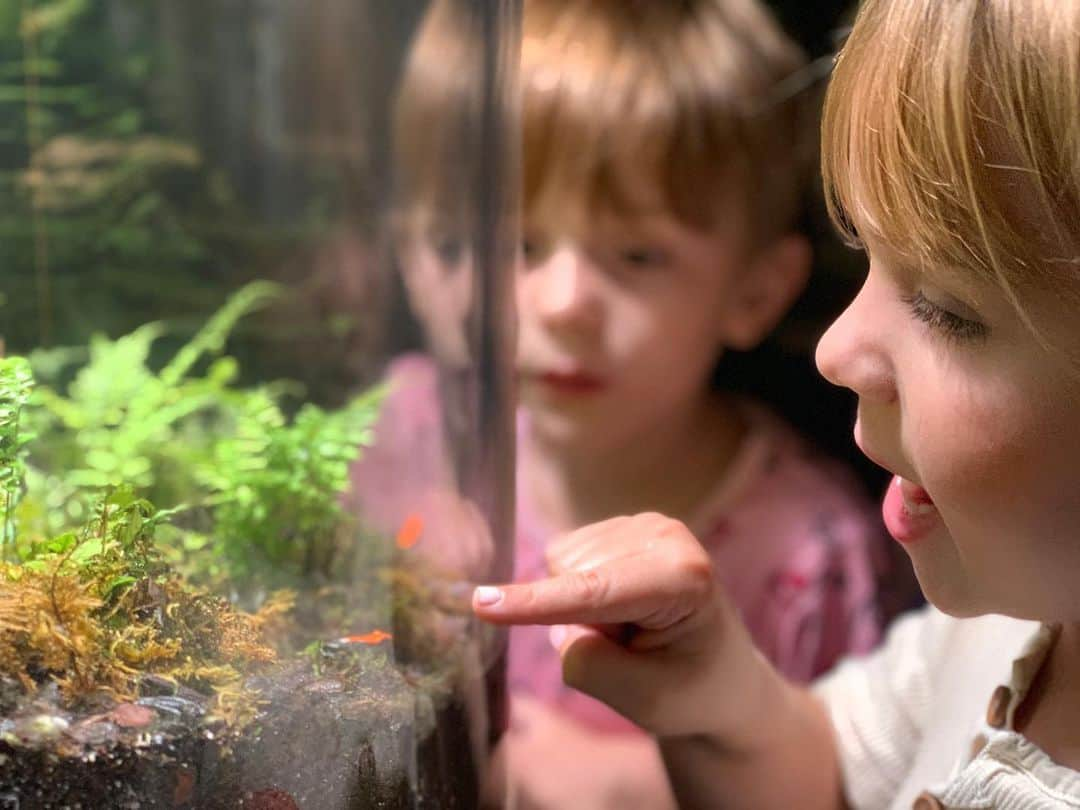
[(998, 711), (927, 801)]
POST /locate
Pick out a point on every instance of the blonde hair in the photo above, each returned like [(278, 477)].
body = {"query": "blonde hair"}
[(952, 133), (679, 94)]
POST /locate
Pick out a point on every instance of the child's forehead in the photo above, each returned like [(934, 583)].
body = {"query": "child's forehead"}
[(635, 201), (580, 184), (920, 266), (926, 231)]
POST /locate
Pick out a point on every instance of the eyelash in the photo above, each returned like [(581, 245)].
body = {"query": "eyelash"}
[(949, 324)]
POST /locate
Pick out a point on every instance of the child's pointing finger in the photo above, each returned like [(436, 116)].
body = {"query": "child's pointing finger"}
[(627, 581)]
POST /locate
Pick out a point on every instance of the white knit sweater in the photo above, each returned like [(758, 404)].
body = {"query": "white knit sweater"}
[(930, 714)]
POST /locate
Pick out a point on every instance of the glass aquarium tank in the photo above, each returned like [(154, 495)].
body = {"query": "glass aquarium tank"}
[(256, 427)]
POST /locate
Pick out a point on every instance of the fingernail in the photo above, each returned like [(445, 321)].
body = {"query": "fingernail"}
[(557, 636), (487, 595)]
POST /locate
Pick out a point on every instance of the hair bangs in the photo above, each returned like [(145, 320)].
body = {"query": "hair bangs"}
[(939, 141), (612, 122), (895, 156), (599, 126)]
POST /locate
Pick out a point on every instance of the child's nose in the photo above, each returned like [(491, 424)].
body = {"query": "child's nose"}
[(854, 352), (564, 289)]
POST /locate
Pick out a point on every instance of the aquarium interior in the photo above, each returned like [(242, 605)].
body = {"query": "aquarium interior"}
[(256, 433)]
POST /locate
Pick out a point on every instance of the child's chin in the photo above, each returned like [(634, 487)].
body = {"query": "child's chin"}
[(553, 426), (557, 426), (950, 594)]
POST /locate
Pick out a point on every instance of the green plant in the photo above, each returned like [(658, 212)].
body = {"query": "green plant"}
[(95, 609), (16, 383), (261, 492), (94, 604), (277, 488), (120, 420)]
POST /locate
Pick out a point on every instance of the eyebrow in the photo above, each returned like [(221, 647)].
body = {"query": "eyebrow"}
[(957, 279)]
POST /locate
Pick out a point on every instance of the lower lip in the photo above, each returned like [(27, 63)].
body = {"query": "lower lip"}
[(902, 523), (571, 384)]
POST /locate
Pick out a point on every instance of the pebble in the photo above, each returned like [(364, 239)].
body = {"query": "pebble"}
[(93, 731), (131, 715)]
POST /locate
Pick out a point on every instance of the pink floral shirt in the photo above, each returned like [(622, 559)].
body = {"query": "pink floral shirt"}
[(794, 543)]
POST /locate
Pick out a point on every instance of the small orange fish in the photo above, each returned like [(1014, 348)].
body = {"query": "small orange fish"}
[(410, 531), (374, 637)]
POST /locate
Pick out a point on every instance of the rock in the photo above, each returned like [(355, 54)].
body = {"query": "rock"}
[(93, 731), (35, 730), (131, 715), (173, 706)]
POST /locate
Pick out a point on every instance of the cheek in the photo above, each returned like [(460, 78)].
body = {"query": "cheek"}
[(998, 462), (669, 335), (974, 441)]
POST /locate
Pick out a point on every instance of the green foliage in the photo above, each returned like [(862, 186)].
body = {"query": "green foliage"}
[(16, 383), (122, 421), (278, 487), (114, 550), (97, 585), (133, 191), (261, 493)]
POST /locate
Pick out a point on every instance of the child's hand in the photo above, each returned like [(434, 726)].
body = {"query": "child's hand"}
[(655, 639)]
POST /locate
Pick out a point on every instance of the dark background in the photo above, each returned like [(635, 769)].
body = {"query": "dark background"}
[(782, 371)]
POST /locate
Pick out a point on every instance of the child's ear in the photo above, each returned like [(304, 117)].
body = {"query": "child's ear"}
[(766, 290)]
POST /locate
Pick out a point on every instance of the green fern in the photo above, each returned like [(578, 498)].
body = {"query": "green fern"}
[(16, 384), (278, 486), (121, 421), (263, 492)]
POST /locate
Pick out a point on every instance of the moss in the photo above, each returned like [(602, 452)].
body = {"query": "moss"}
[(67, 622)]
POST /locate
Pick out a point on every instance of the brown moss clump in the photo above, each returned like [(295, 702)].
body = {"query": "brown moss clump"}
[(48, 628), (97, 612)]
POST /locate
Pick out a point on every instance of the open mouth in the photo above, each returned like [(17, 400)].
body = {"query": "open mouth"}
[(917, 501), (908, 511)]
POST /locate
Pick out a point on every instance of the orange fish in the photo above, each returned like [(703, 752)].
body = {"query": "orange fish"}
[(374, 637), (410, 531)]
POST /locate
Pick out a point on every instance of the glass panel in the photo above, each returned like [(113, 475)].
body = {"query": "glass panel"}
[(256, 435)]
